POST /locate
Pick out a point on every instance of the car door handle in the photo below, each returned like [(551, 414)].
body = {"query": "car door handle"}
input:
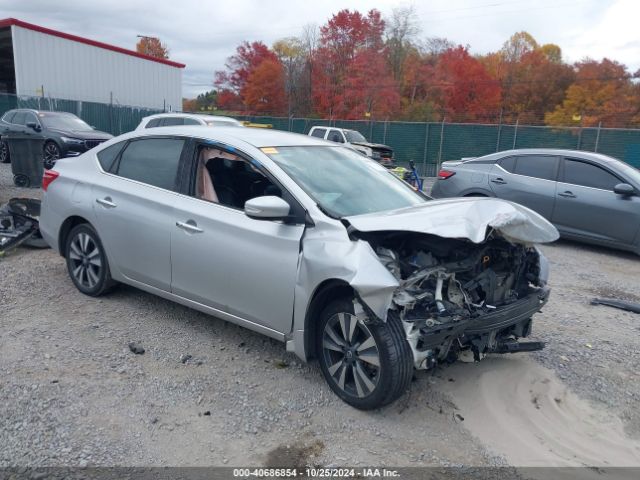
[(189, 226), (567, 194), (106, 202), (499, 181)]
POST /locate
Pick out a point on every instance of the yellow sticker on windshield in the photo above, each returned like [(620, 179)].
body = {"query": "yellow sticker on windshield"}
[(269, 150)]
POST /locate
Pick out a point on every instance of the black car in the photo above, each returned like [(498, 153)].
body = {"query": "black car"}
[(65, 134)]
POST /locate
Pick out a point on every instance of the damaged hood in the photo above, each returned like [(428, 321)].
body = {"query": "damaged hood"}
[(464, 218)]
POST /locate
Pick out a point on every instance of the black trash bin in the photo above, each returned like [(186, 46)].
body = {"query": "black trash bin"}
[(25, 150)]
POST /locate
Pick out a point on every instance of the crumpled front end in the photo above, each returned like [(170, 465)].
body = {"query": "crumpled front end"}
[(469, 276), (456, 297)]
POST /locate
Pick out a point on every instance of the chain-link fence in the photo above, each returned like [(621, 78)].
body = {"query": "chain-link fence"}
[(108, 117), (429, 144)]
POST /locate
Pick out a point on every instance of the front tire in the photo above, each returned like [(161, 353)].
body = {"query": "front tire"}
[(50, 154), (366, 365), (4, 153), (87, 261)]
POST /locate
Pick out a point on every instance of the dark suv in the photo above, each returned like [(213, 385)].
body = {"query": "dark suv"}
[(65, 134)]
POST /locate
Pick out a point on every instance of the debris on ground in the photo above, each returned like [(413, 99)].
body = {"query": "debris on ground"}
[(281, 363), (19, 224), (136, 348), (184, 358), (615, 303)]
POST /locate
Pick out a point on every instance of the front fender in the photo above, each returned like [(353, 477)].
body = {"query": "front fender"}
[(336, 257)]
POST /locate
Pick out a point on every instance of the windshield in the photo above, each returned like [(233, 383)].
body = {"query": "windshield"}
[(63, 122), (353, 136), (629, 170), (343, 182)]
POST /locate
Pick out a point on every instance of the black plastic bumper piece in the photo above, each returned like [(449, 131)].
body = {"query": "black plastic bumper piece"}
[(509, 315)]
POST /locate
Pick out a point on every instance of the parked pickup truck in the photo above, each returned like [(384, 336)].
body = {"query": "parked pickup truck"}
[(356, 141)]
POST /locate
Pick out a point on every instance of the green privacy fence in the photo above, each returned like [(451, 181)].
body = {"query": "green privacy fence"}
[(112, 118), (429, 144)]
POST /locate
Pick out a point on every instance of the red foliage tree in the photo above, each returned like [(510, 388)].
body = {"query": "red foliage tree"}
[(469, 93), (352, 75), (239, 67), (264, 90)]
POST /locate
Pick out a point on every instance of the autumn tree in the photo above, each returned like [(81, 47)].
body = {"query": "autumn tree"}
[(152, 47), (347, 64), (264, 90), (467, 90), (401, 31), (293, 56), (239, 67), (189, 105), (602, 93)]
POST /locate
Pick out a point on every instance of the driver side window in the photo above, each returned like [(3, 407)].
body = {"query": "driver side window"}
[(228, 179), (335, 136)]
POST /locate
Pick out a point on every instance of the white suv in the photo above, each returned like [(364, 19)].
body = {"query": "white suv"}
[(173, 119), (356, 141)]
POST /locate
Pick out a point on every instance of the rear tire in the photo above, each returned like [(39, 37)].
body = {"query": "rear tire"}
[(4, 153), (366, 365), (87, 261)]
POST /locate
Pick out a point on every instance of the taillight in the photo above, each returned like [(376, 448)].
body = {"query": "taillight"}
[(444, 174), (48, 177)]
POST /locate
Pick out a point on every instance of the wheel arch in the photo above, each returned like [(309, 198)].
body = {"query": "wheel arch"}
[(475, 192), (66, 227), (326, 291)]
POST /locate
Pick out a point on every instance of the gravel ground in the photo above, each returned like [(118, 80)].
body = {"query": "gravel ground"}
[(210, 393)]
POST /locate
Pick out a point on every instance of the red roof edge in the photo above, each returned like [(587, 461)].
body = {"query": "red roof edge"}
[(7, 22)]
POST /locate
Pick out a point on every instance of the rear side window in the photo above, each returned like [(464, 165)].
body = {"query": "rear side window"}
[(19, 118), (108, 156), (8, 116), (537, 166), (319, 132), (153, 161), (170, 121), (153, 123), (508, 163), (588, 175), (191, 121)]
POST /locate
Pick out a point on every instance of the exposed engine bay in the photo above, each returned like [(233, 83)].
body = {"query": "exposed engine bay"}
[(456, 297)]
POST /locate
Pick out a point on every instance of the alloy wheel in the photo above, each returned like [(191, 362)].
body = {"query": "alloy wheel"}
[(51, 153), (86, 260), (351, 355)]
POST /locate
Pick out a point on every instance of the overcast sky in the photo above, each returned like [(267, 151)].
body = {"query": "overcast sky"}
[(204, 33)]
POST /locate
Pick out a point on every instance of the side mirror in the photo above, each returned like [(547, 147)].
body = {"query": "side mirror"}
[(267, 208), (624, 189), (34, 126)]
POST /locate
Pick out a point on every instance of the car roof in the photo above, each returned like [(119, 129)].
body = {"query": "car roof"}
[(192, 115), (256, 137), (547, 151), (38, 112)]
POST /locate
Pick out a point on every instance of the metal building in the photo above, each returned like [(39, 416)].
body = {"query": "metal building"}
[(38, 61)]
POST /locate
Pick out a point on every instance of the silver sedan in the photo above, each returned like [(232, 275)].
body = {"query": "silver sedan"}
[(589, 197), (306, 242)]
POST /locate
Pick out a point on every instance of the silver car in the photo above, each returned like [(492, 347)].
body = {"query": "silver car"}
[(304, 241), (589, 197)]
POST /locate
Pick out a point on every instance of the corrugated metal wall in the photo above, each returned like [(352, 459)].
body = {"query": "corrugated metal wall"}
[(76, 71)]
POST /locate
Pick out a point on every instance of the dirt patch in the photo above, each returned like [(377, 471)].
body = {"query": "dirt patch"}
[(290, 456), (523, 411)]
